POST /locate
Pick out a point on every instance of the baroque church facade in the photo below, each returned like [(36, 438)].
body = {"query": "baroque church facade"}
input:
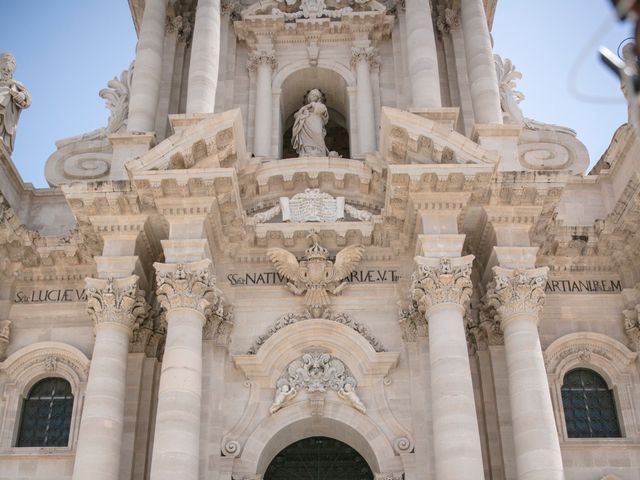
[(318, 239)]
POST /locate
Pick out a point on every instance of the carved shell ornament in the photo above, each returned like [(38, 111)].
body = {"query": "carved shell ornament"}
[(316, 276), (316, 371)]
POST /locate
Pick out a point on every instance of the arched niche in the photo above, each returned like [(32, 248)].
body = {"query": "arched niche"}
[(337, 82)]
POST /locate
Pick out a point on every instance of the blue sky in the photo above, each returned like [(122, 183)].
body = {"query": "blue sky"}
[(67, 50)]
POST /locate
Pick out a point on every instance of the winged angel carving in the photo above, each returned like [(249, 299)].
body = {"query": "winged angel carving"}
[(316, 276)]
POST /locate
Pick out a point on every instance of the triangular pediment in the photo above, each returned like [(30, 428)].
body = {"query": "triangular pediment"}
[(199, 141), (407, 137)]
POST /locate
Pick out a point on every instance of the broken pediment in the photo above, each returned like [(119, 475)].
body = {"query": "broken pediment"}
[(199, 141), (410, 138)]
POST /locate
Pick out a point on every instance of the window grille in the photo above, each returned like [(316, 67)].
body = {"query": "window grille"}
[(589, 407), (46, 415)]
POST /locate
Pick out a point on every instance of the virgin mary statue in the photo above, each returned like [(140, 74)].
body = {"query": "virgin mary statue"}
[(308, 128)]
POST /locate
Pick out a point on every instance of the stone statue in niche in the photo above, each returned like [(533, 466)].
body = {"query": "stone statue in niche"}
[(14, 97), (308, 129)]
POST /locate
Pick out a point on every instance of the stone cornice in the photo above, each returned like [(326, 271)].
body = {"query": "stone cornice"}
[(116, 301), (438, 281), (517, 292), (190, 285)]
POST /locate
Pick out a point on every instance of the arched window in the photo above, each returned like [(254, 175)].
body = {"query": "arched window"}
[(46, 414), (589, 408)]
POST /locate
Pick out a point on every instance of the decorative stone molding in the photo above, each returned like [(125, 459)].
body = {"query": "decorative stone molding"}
[(316, 276), (603, 354), (518, 292), (312, 205), (231, 448), (365, 54), (88, 156), (149, 337), (5, 335), (291, 318), (632, 326), (219, 324), (27, 366), (116, 301), (389, 476), (413, 323), (315, 9), (190, 285), (403, 445), (316, 371), (447, 19), (441, 280), (181, 25), (231, 8), (261, 57), (44, 359), (484, 329)]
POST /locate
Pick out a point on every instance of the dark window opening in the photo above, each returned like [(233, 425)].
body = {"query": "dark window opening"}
[(318, 458), (46, 415), (589, 407)]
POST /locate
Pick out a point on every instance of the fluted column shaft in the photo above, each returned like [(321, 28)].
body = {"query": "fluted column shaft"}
[(442, 289), (263, 62), (362, 58), (145, 88), (186, 292), (115, 307), (422, 55), (205, 58), (481, 70), (518, 297)]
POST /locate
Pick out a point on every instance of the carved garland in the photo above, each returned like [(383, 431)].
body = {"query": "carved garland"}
[(291, 318), (316, 371)]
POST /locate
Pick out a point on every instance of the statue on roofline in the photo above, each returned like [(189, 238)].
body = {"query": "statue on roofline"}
[(14, 97)]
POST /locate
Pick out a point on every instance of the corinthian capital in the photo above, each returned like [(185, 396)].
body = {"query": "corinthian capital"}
[(116, 301), (441, 280), (261, 57), (364, 54), (518, 291), (190, 285)]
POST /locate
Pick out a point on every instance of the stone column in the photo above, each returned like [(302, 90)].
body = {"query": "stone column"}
[(145, 88), (518, 297), (115, 306), (481, 69), (262, 62), (441, 287), (422, 55), (186, 292), (361, 59), (205, 58)]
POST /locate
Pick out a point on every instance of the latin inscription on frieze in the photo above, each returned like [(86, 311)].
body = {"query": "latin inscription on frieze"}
[(583, 286), (51, 295), (274, 278)]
